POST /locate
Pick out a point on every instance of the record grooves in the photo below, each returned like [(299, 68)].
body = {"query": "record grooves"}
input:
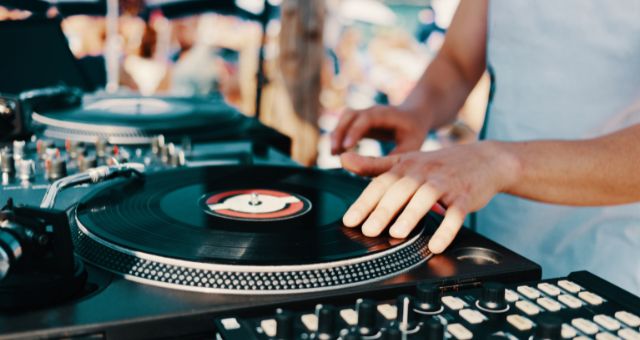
[(252, 230)]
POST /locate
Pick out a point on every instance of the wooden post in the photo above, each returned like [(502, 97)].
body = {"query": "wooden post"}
[(301, 58)]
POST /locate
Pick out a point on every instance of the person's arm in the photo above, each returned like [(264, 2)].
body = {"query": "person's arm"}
[(450, 77), (599, 171), (436, 97)]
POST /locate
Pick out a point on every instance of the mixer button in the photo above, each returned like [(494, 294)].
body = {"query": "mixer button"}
[(606, 336), (472, 316), (607, 322), (629, 319), (582, 337), (528, 307), (511, 296), (569, 286), (349, 316), (453, 302), (549, 289), (530, 293), (310, 321), (629, 334), (568, 332), (591, 298), (585, 326), (520, 322), (230, 323), (389, 312), (269, 327), (570, 300), (549, 304), (460, 332)]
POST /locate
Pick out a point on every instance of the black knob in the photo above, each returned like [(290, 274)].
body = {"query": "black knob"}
[(58, 169), (391, 333), (432, 329), (406, 317), (367, 317), (284, 325), (351, 335), (7, 163), (549, 327), (428, 299), (493, 296), (326, 321)]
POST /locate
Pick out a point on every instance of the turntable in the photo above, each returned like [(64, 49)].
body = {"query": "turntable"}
[(169, 252), (136, 120)]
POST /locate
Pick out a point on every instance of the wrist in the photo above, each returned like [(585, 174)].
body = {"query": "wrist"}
[(507, 162), (419, 114)]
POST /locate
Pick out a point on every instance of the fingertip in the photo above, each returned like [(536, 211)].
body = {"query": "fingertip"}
[(352, 218), (400, 229), (371, 227), (437, 245)]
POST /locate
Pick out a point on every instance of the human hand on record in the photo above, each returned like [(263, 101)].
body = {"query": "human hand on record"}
[(462, 178)]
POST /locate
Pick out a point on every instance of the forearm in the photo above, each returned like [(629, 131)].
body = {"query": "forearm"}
[(439, 94), (600, 171)]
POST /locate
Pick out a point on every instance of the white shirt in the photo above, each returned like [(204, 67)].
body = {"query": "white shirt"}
[(565, 69)]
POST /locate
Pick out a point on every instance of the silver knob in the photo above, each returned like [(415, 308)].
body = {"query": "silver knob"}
[(26, 169)]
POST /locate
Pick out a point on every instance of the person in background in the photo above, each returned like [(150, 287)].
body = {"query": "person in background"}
[(557, 174)]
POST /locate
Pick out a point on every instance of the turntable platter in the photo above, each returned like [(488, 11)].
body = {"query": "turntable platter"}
[(243, 222), (135, 120)]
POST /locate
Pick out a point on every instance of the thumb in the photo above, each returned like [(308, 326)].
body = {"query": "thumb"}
[(367, 166)]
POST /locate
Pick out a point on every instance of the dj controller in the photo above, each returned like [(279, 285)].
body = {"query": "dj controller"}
[(166, 217)]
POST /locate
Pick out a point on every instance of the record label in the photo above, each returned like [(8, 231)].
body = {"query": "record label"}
[(256, 205)]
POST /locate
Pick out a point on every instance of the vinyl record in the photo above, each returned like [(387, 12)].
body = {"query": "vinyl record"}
[(135, 120), (230, 220)]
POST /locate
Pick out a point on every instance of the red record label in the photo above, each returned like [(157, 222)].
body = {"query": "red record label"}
[(256, 205)]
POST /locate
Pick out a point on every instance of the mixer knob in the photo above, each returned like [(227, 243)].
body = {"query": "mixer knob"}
[(367, 316), (18, 148), (432, 329), (86, 163), (326, 322), (549, 328), (428, 298), (42, 146), (7, 163), (157, 144), (406, 317), (284, 325), (391, 333), (493, 299), (26, 169), (352, 334), (101, 146), (58, 169)]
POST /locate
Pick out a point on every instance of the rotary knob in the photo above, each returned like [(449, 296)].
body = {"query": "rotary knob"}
[(549, 328), (432, 329), (58, 169), (326, 322), (493, 299), (428, 298), (367, 317), (284, 325), (7, 163), (391, 333)]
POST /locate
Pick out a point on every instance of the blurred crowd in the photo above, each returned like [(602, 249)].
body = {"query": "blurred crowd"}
[(372, 56)]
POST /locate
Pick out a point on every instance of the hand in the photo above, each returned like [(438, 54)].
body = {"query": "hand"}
[(463, 178), (406, 128)]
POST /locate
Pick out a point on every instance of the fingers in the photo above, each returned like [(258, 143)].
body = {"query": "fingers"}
[(391, 203), (362, 123), (419, 205), (453, 220), (368, 200), (337, 137), (367, 166)]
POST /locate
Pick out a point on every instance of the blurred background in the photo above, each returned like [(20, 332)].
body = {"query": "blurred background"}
[(315, 59)]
